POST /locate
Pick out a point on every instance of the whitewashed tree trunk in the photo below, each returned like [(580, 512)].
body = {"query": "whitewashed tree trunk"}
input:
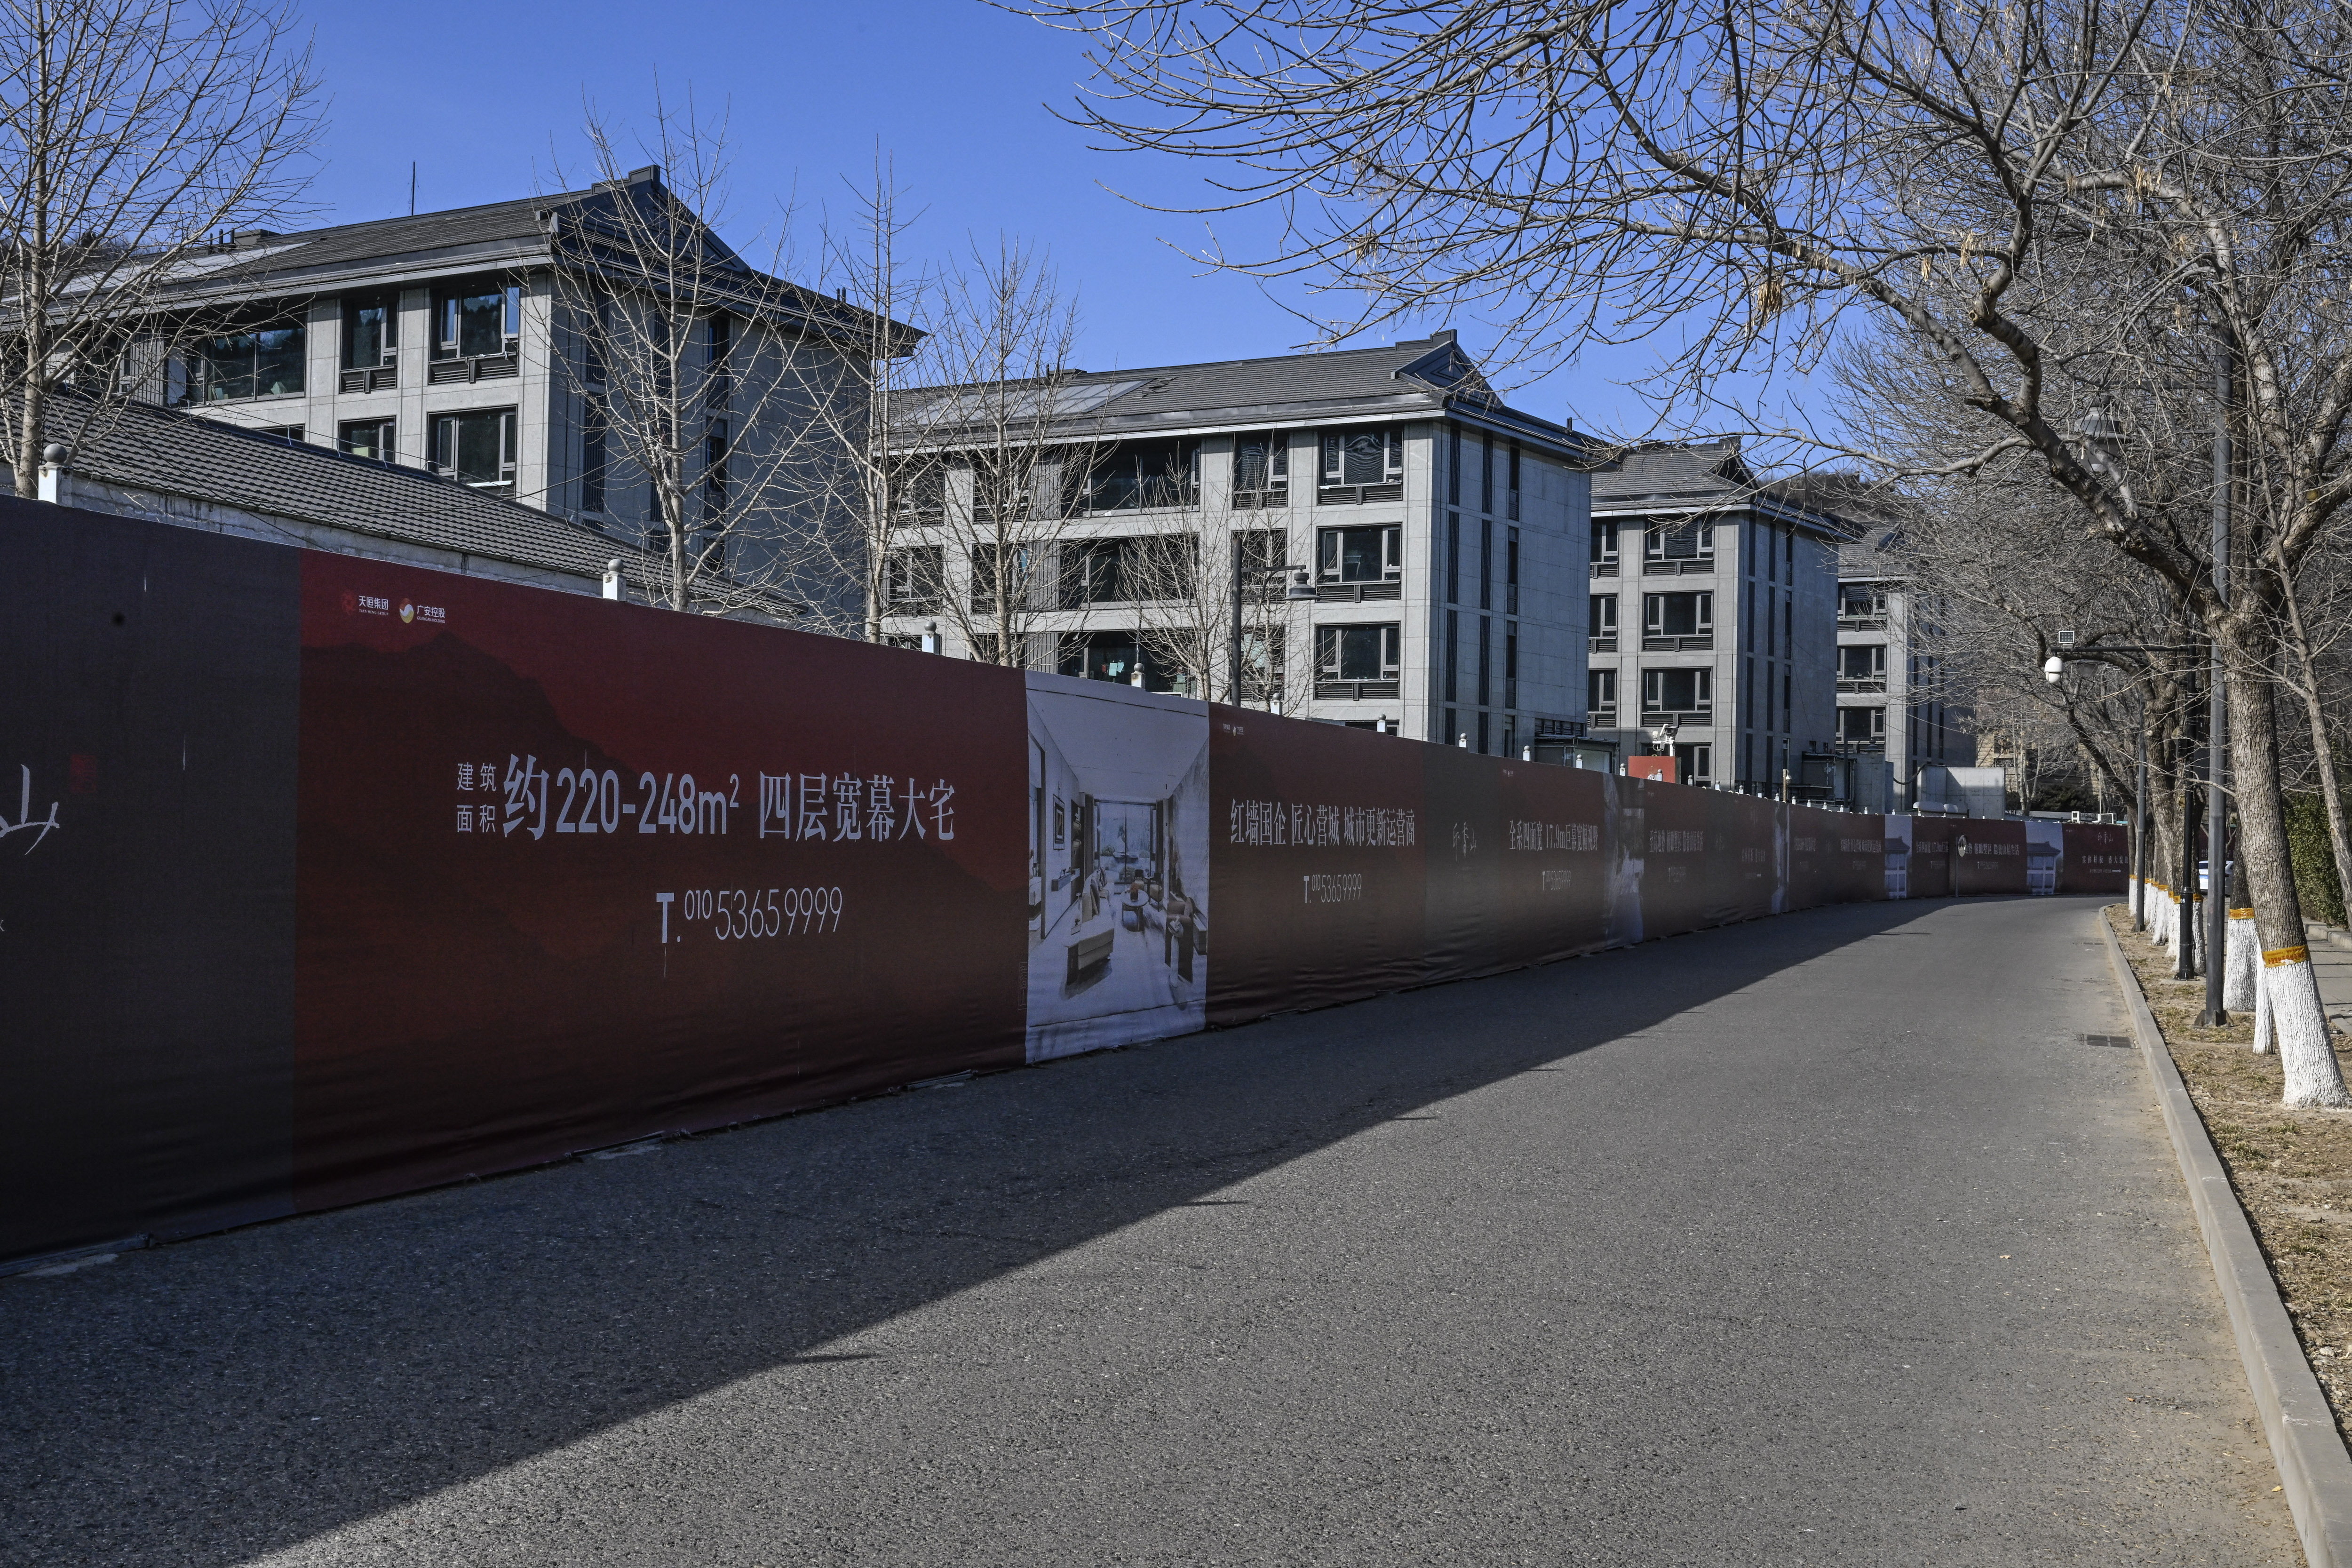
[(2307, 1049), (2265, 1035), (2241, 959)]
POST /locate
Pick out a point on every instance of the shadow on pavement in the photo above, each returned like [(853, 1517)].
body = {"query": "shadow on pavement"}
[(208, 1401)]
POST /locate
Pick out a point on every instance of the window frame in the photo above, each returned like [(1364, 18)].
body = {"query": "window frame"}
[(387, 429), (1334, 642), (1330, 552), (1333, 471), (445, 436), (448, 340)]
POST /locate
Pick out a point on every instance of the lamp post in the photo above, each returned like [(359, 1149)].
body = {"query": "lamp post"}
[(2053, 668), (1299, 592)]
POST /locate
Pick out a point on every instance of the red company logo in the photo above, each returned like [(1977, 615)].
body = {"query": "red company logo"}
[(350, 603)]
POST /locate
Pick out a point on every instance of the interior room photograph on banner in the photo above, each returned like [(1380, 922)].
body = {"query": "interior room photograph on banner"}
[(1118, 865)]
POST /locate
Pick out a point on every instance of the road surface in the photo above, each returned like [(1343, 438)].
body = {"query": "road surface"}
[(1825, 1239)]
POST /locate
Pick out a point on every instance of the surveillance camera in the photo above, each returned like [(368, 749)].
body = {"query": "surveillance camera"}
[(2053, 667)]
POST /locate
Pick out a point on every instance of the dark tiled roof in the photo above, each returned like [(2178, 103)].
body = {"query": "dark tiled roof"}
[(1713, 473), (499, 235), (173, 454), (1432, 376)]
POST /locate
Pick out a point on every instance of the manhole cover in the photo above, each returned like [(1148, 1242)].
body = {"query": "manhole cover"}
[(2121, 1042)]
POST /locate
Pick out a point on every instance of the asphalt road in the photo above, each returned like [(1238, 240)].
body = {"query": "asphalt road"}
[(1824, 1240)]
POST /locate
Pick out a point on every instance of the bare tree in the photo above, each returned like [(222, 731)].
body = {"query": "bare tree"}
[(1210, 588), (876, 486), (133, 133), (705, 381), (1968, 177), (985, 474)]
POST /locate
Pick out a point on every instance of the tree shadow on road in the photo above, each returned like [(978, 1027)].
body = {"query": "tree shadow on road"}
[(211, 1400)]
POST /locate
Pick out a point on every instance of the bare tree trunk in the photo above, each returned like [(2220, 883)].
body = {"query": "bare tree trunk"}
[(2307, 1051)]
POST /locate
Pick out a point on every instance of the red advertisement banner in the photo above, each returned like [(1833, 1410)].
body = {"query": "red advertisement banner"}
[(570, 871)]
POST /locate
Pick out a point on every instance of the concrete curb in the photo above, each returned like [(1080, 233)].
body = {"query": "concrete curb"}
[(2313, 1466)]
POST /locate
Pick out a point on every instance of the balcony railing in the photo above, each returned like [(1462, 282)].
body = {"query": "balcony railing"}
[(1874, 622), (382, 378), (1861, 683), (1346, 495), (1604, 569), (477, 367), (1355, 690), (1604, 644), (1605, 717), (1681, 717), (1358, 593), (1676, 566), (1274, 499), (1654, 642)]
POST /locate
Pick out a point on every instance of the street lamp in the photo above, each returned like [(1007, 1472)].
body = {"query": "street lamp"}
[(2053, 668), (1298, 592)]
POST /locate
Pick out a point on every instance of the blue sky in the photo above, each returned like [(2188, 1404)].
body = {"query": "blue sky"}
[(485, 97)]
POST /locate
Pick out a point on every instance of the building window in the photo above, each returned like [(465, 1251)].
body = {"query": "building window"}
[(910, 580), (367, 438), (1485, 720), (1863, 664), (1114, 656), (1512, 510), (1861, 602), (258, 362), (477, 450), (1452, 660), (1486, 480), (714, 471), (1453, 491), (717, 369), (1357, 653), (1604, 545), (1359, 554), (1138, 474), (480, 321), (1677, 615), (592, 455), (1452, 557), (1511, 564), (1601, 621), (370, 331), (1486, 659), (1510, 665), (1262, 469), (1680, 541), (1862, 726), (1155, 566), (1362, 457), (1696, 761), (1486, 564), (1449, 727), (1677, 692)]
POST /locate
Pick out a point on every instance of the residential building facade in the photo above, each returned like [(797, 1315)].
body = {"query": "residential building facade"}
[(1713, 606), (1891, 700), (455, 342), (1440, 531)]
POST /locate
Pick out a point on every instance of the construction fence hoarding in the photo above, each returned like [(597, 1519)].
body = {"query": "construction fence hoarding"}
[(324, 878)]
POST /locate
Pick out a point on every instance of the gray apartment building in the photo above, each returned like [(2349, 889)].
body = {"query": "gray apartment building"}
[(1892, 701), (1443, 534), (1713, 615), (446, 342)]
